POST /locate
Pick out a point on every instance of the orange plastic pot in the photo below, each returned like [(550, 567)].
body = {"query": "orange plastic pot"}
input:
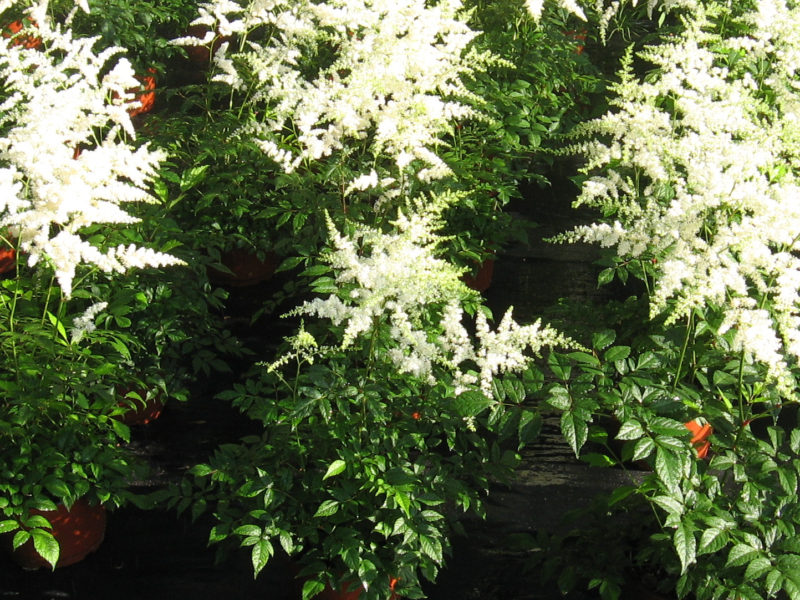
[(79, 531), (246, 268)]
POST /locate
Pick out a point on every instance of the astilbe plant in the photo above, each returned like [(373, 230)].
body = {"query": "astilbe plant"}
[(331, 76), (66, 161), (68, 166), (381, 418), (699, 174), (695, 170)]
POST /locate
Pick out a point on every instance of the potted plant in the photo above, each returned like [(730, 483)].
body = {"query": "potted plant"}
[(62, 355), (381, 422), (63, 458)]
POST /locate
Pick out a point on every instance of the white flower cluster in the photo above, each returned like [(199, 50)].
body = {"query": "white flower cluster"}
[(700, 171), (85, 323), (390, 72), (395, 281), (56, 177)]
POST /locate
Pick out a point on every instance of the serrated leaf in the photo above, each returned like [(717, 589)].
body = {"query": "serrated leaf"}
[(260, 555), (530, 425), (603, 339), (668, 468), (558, 397), (669, 504), (685, 545), (471, 404), (335, 468), (311, 588), (630, 430), (605, 276), (575, 431), (8, 525), (248, 531), (773, 581), (740, 554), (757, 568), (327, 508), (46, 546), (616, 353), (643, 448), (712, 540), (432, 547)]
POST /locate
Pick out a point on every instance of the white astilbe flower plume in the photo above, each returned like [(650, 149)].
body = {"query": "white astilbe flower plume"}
[(395, 77), (85, 323), (395, 281), (56, 178), (716, 200)]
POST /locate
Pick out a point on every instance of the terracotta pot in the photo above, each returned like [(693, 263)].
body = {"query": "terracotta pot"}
[(146, 95), (141, 414), (27, 41), (352, 592), (246, 268), (482, 278), (8, 260), (79, 532), (200, 55)]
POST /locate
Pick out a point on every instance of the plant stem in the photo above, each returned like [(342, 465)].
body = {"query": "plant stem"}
[(689, 327)]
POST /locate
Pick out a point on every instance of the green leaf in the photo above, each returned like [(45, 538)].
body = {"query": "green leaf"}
[(311, 588), (471, 404), (122, 430), (712, 540), (596, 459), (772, 582), (605, 276), (757, 568), (630, 430), (191, 177), (327, 508), (669, 504), (260, 555), (643, 448), (616, 353), (685, 545), (740, 554), (558, 397), (335, 468), (789, 565), (58, 325), (668, 468), (8, 525), (248, 531), (575, 431), (603, 339), (46, 546), (432, 547), (530, 424)]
